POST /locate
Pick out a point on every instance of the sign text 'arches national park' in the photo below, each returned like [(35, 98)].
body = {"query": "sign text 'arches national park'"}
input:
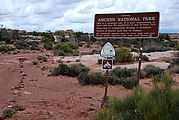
[(127, 25)]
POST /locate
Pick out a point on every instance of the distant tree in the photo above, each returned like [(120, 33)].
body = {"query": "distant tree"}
[(34, 33)]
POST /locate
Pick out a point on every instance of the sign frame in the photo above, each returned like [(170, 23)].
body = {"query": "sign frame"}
[(158, 22)]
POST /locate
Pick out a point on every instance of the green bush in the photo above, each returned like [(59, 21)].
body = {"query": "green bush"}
[(113, 79), (143, 74), (35, 62), (123, 73), (59, 53), (161, 103), (126, 45), (54, 71), (175, 69), (6, 49), (72, 45), (48, 46), (172, 44), (73, 70), (63, 69), (21, 45), (129, 82), (83, 78), (151, 70), (8, 113), (154, 47), (177, 47), (42, 58), (174, 62), (57, 46), (76, 69), (75, 53), (145, 58), (123, 55), (96, 78), (33, 43)]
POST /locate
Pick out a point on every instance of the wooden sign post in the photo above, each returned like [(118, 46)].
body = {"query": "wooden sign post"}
[(126, 25)]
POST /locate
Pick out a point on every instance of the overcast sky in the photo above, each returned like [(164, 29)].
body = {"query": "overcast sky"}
[(41, 15)]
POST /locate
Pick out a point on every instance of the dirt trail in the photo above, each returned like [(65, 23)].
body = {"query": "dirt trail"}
[(8, 79)]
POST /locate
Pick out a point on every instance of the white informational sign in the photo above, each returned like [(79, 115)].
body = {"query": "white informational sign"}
[(108, 50)]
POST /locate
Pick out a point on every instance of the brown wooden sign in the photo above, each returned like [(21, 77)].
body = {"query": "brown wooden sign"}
[(127, 25)]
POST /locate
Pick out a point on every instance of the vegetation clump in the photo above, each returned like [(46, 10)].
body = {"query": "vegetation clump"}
[(6, 49), (123, 55), (151, 70), (160, 103)]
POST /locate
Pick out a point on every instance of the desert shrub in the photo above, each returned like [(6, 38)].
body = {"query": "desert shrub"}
[(88, 45), (145, 58), (43, 58), (54, 71), (63, 47), (175, 69), (95, 51), (161, 103), (134, 50), (59, 53), (66, 49), (123, 55), (177, 47), (129, 82), (96, 78), (63, 69), (172, 44), (126, 45), (57, 46), (75, 53), (91, 77), (123, 73), (143, 74), (6, 48), (72, 45), (154, 47), (83, 78), (73, 70), (34, 48), (35, 62), (8, 113), (113, 79), (33, 43), (48, 46), (21, 45), (76, 69), (46, 40), (151, 70), (174, 62)]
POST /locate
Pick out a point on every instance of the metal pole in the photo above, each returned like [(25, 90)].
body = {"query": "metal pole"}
[(106, 90), (140, 59)]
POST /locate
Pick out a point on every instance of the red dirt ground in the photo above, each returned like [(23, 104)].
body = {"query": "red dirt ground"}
[(47, 97)]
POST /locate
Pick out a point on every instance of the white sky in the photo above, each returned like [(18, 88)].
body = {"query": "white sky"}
[(41, 15)]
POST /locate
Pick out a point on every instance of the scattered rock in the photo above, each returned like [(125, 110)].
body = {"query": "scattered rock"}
[(28, 93)]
